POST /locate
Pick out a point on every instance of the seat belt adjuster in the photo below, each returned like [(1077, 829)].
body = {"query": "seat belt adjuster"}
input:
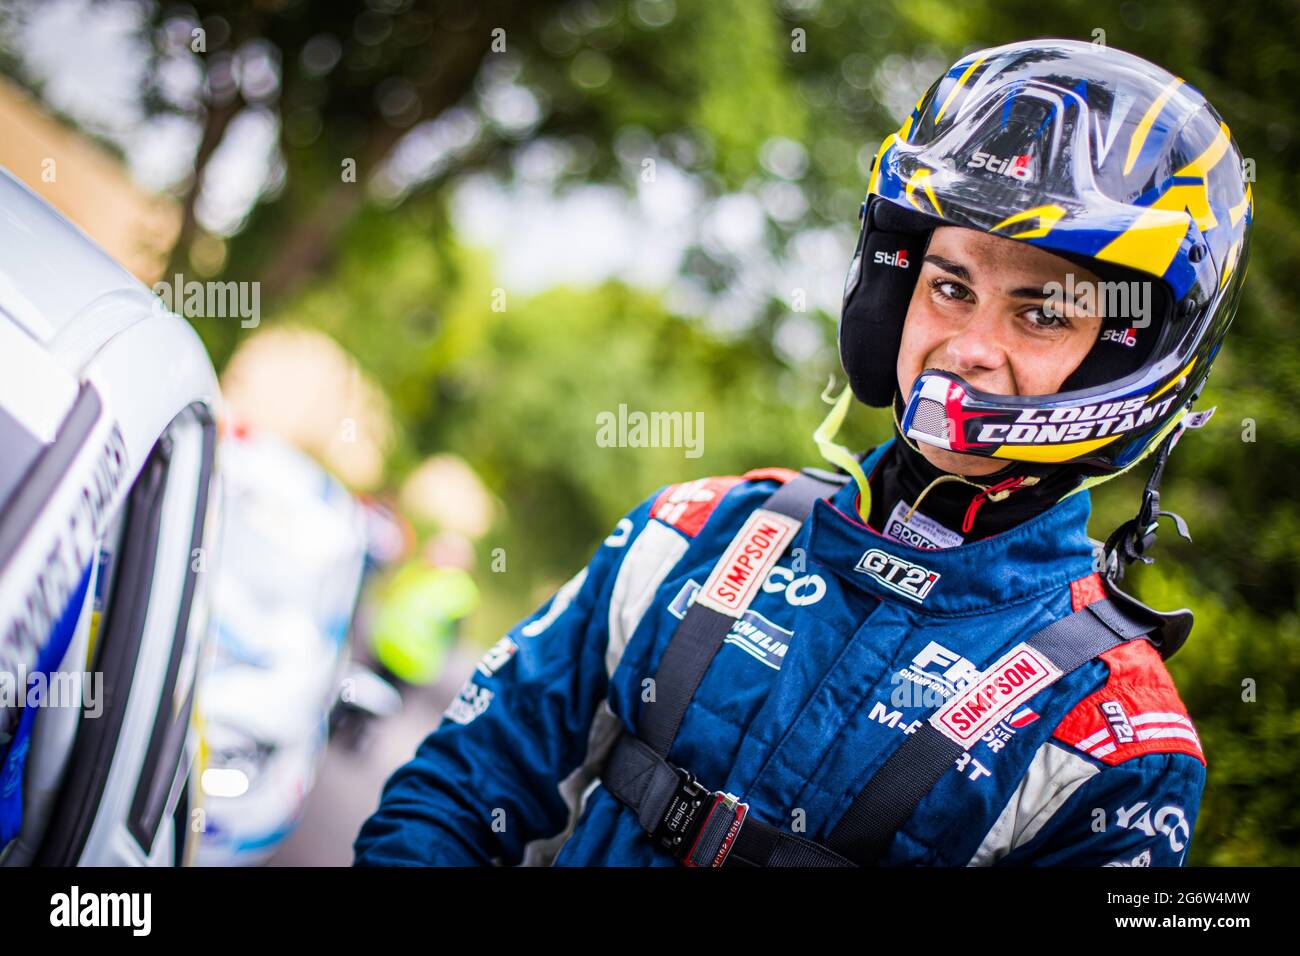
[(699, 826), (718, 832)]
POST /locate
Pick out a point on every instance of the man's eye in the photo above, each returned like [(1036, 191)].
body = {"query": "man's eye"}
[(950, 290), (1041, 320)]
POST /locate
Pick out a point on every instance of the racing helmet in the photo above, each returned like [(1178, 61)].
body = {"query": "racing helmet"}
[(1098, 157)]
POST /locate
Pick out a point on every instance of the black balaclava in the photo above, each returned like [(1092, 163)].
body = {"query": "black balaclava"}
[(903, 475)]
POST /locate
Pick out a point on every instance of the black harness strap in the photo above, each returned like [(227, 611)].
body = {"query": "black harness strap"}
[(695, 642), (670, 804), (891, 796), (700, 634), (660, 792)]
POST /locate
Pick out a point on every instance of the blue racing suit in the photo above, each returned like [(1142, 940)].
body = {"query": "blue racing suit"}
[(814, 687)]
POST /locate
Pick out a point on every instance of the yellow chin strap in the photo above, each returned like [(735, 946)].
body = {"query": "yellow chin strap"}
[(837, 454)]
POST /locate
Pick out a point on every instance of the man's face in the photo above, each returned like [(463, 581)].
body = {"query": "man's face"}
[(978, 311)]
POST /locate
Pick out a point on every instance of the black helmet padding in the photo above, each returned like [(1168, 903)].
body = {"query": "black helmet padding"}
[(877, 293)]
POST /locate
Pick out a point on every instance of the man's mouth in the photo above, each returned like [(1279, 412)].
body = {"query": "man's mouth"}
[(977, 386)]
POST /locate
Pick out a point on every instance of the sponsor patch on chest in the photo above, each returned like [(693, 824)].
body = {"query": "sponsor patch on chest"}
[(747, 562), (1003, 688), (902, 577)]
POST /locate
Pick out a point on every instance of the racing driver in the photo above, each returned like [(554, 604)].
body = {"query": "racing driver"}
[(921, 658)]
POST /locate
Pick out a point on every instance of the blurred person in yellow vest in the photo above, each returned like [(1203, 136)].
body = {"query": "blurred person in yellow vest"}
[(421, 609)]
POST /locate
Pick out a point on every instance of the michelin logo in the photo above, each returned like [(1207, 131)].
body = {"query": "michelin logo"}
[(752, 633)]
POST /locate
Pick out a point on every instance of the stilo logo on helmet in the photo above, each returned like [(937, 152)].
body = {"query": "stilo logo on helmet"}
[(1097, 156), (1017, 167)]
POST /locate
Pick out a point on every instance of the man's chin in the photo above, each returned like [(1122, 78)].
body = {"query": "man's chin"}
[(958, 464)]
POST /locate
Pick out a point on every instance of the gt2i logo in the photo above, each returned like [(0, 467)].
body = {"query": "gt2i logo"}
[(1168, 820), (1120, 727), (896, 259), (1017, 167), (902, 577), (1074, 423)]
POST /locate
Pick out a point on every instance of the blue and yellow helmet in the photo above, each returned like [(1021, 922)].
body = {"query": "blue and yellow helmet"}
[(1092, 154)]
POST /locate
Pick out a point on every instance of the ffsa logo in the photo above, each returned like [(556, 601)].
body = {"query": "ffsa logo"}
[(896, 259), (910, 580)]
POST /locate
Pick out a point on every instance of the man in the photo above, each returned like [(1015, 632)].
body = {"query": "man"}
[(918, 663)]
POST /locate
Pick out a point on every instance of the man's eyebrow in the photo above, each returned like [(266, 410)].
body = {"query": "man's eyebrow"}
[(1030, 292), (947, 265), (961, 272)]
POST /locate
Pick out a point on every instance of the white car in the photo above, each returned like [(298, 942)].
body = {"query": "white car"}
[(108, 405), (293, 548)]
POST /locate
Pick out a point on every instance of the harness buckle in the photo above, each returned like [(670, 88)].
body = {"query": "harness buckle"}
[(684, 815)]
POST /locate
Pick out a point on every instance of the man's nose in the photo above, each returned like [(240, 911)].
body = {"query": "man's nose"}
[(978, 344)]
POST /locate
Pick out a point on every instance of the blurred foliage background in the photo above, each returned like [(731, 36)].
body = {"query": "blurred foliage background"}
[(745, 129)]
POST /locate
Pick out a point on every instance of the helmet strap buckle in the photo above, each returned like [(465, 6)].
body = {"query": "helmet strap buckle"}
[(1134, 538)]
